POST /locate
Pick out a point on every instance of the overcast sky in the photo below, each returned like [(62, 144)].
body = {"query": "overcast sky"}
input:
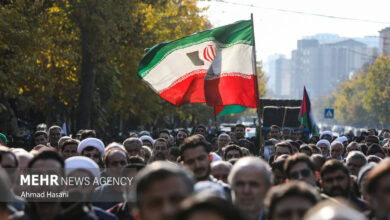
[(277, 31)]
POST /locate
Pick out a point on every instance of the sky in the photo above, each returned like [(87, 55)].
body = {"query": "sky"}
[(277, 32)]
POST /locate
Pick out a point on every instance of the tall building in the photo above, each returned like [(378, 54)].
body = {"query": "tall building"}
[(384, 41), (322, 67), (282, 77), (270, 72)]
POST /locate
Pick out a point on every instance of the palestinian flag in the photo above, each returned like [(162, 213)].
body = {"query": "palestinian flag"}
[(228, 109), (306, 115), (215, 67)]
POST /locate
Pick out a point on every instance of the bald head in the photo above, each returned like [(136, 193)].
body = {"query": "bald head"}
[(220, 170), (250, 179), (254, 164)]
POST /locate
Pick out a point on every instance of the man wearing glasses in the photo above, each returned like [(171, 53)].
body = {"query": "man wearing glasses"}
[(300, 167), (92, 148)]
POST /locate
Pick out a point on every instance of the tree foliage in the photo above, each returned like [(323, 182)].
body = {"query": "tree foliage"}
[(44, 46), (364, 100), (377, 97)]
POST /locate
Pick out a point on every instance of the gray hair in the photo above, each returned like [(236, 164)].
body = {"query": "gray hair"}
[(357, 155), (353, 144), (224, 135), (133, 140), (221, 163), (246, 162), (54, 127), (337, 143)]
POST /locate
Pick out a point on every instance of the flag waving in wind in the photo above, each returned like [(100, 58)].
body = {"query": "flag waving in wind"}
[(306, 115), (216, 67)]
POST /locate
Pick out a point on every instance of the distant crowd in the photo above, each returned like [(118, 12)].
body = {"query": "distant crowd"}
[(192, 175)]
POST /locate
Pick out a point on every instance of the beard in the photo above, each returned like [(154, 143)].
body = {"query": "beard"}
[(339, 191), (205, 176), (160, 156)]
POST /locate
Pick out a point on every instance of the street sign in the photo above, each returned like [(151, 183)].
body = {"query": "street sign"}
[(329, 113)]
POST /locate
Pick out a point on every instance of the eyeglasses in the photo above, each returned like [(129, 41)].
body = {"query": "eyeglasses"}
[(304, 173), (92, 155)]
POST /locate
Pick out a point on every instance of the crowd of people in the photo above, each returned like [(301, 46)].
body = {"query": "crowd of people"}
[(190, 175)]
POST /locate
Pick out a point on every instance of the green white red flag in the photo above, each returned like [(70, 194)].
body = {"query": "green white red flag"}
[(215, 67), (306, 114)]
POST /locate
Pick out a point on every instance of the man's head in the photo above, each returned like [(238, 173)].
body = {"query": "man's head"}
[(147, 141), (306, 149), (373, 132), (377, 150), (47, 162), (353, 146), (84, 134), (160, 149), (40, 137), (378, 189), (115, 158), (55, 133), (9, 162), (278, 174), (371, 139), (45, 159), (333, 209), (290, 201), (201, 129), (336, 150), (223, 140), (283, 148), (92, 148), (61, 141), (327, 135), (286, 134), (164, 134), (324, 145), (182, 134), (146, 153), (232, 151), (133, 146), (194, 152), (300, 167), (220, 170), (69, 148), (355, 161), (318, 160), (335, 178), (81, 167), (297, 134), (160, 187), (275, 132), (250, 179), (239, 131)]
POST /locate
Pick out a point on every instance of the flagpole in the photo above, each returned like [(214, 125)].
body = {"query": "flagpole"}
[(216, 122), (257, 92)]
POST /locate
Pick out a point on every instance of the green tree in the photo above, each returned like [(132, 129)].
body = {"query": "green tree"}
[(39, 56), (377, 95), (348, 102)]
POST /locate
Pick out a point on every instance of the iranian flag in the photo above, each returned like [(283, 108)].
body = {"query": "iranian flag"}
[(306, 115), (215, 67)]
